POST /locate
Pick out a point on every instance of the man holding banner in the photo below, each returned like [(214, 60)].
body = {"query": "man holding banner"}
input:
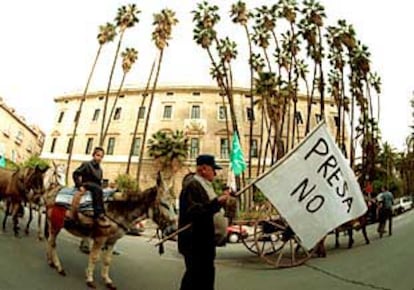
[(199, 207)]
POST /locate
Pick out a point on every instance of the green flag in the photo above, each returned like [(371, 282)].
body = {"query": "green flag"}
[(238, 165), (2, 162)]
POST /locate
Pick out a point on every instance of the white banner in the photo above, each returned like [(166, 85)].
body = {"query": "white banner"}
[(314, 188)]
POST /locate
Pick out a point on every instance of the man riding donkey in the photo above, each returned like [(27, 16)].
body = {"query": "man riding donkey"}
[(88, 176)]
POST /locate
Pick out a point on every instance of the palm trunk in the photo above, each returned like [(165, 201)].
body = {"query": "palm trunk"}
[(310, 100), (131, 149), (221, 84), (343, 109), (278, 48), (352, 154), (144, 137), (232, 104), (295, 121), (113, 107), (321, 85), (260, 143), (269, 123), (226, 83), (250, 192), (229, 92), (101, 139), (223, 100), (293, 65), (75, 128), (269, 67)]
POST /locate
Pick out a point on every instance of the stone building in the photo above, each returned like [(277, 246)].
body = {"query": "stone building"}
[(197, 110), (18, 139)]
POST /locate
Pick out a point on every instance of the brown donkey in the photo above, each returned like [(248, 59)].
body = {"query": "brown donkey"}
[(20, 186), (153, 203)]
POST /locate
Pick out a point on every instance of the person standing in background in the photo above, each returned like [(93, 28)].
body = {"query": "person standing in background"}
[(385, 201)]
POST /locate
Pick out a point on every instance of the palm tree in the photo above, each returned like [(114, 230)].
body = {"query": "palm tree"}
[(387, 160), (310, 28), (344, 35), (126, 18), (163, 21), (170, 150), (265, 23), (266, 89), (129, 57), (205, 18), (106, 34)]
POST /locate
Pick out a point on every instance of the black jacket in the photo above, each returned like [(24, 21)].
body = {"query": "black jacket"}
[(197, 209), (89, 172)]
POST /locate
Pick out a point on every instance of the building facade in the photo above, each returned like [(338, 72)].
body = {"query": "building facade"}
[(18, 139), (199, 111)]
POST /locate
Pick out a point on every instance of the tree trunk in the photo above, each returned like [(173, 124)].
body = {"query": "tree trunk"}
[(260, 144), (321, 85), (101, 139), (113, 107), (144, 137), (134, 135), (250, 192), (310, 100), (75, 128)]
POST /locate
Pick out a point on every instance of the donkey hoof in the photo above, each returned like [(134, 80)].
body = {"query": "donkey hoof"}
[(110, 286), (51, 265), (62, 273), (91, 284)]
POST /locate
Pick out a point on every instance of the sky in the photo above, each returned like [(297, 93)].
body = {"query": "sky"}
[(48, 47)]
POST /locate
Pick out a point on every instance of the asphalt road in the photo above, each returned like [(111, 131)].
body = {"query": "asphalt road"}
[(386, 263)]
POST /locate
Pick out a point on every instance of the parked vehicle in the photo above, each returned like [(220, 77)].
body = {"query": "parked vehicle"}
[(235, 233), (402, 204)]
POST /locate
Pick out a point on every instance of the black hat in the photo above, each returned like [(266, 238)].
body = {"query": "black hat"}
[(206, 159)]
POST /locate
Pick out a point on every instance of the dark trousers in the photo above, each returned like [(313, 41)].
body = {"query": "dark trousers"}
[(97, 198), (199, 274), (384, 215)]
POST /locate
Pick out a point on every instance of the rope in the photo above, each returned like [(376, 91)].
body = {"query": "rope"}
[(347, 280), (124, 227)]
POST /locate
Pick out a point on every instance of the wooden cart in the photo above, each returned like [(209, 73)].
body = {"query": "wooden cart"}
[(273, 240)]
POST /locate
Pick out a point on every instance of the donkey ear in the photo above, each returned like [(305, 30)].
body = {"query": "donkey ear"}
[(41, 169)]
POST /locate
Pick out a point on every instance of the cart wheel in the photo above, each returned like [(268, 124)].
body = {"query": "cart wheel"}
[(250, 243), (262, 241), (281, 248)]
